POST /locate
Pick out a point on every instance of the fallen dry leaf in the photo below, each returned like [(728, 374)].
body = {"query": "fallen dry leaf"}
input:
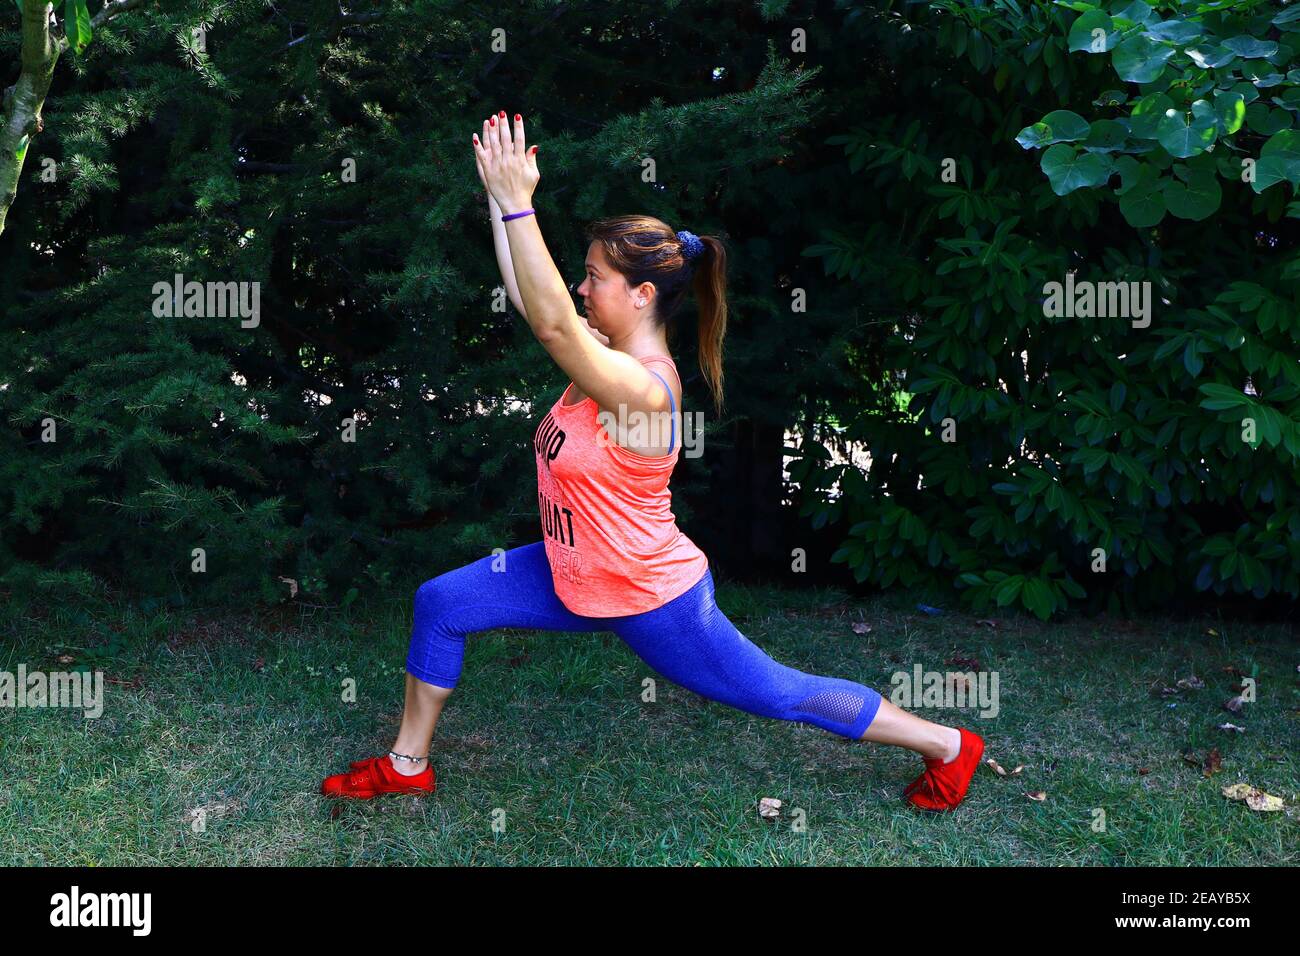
[(1255, 798), (293, 586), (1259, 800), (1039, 795), (1213, 762), (1231, 726), (1000, 771), (65, 659), (769, 808), (1143, 771), (1234, 704), (1191, 683), (860, 628), (213, 809)]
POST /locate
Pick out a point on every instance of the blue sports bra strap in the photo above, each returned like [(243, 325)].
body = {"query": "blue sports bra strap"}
[(672, 403)]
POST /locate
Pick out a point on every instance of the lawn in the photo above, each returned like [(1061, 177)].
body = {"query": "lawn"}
[(546, 753)]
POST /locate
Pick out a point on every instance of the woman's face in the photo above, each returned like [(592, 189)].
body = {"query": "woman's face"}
[(610, 304)]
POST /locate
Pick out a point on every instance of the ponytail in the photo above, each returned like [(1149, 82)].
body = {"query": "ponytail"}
[(710, 287), (644, 249)]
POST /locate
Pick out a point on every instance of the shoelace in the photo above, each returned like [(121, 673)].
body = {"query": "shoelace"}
[(367, 774), (371, 775)]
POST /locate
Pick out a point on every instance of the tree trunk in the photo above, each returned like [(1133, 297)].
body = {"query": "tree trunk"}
[(20, 112), (21, 115)]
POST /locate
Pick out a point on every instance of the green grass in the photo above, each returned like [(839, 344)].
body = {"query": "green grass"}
[(547, 733)]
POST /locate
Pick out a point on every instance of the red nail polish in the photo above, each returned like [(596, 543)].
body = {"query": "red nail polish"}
[(517, 117), (493, 120), (502, 114)]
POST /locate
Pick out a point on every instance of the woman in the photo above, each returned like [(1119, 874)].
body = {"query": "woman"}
[(611, 556)]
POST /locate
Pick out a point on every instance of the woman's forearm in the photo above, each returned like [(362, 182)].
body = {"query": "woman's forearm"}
[(502, 245), (501, 242), (548, 307)]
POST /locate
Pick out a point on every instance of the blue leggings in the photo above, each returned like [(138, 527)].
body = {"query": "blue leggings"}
[(689, 641)]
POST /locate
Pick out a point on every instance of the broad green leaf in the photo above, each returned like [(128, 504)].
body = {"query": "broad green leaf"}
[(1230, 110), (1184, 134), (1285, 143), (76, 24), (1197, 200), (1083, 38), (1222, 397), (1138, 12), (1217, 546), (1248, 91), (1130, 171), (1271, 170), (1279, 160), (1249, 48), (1265, 120), (1058, 126), (1008, 590), (1177, 31), (1068, 169), (1105, 136), (1210, 56), (1038, 598), (1230, 166), (1289, 15), (1290, 99), (1140, 59), (1147, 114), (1143, 206), (1262, 75)]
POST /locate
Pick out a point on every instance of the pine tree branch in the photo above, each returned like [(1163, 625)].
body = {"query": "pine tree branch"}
[(112, 9)]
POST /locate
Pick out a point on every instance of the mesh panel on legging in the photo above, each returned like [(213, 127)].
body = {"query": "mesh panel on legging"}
[(833, 705)]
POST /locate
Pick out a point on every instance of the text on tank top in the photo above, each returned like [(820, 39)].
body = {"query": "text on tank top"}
[(610, 535)]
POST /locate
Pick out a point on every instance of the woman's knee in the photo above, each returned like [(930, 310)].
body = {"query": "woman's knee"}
[(434, 595)]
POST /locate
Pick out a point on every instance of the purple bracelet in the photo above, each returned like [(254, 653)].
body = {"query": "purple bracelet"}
[(516, 215)]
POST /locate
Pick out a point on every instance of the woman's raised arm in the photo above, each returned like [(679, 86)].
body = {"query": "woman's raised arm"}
[(501, 243)]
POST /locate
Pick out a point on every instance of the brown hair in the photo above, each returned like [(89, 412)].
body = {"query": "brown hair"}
[(645, 249)]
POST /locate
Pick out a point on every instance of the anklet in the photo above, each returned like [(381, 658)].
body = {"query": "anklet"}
[(407, 757)]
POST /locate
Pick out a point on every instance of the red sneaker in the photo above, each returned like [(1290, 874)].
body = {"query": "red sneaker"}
[(371, 777), (943, 785)]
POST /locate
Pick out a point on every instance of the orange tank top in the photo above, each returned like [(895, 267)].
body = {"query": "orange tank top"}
[(607, 522)]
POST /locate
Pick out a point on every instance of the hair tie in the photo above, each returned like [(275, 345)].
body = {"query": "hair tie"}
[(691, 244)]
